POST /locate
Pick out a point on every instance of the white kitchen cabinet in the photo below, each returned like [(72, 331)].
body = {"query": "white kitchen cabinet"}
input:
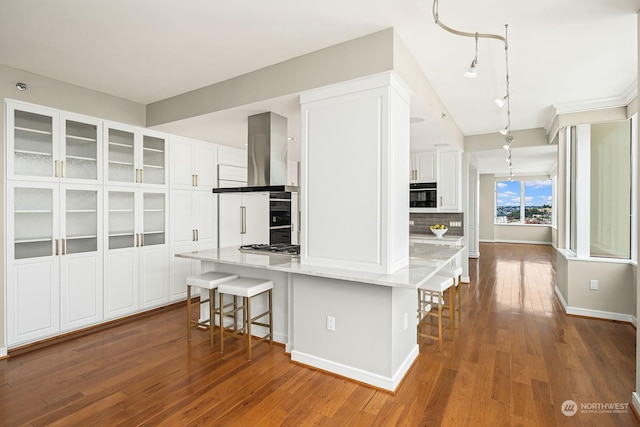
[(193, 164), (450, 181), (136, 250), (194, 226), (424, 166), (134, 156), (293, 173), (232, 156), (46, 145), (54, 259), (243, 218)]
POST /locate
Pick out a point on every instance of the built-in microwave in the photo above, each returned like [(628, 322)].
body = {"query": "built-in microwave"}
[(423, 195)]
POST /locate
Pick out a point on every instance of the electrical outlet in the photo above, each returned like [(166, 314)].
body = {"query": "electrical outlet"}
[(593, 284), (406, 320), (331, 323)]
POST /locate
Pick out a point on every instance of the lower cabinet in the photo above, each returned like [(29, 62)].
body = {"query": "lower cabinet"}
[(54, 259), (194, 227), (136, 250)]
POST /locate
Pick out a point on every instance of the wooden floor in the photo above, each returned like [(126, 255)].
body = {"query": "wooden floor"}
[(516, 359)]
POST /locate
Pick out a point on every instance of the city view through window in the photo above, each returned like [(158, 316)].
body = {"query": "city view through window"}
[(524, 202)]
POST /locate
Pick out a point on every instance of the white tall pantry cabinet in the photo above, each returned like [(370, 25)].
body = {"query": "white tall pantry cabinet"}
[(194, 208), (54, 214)]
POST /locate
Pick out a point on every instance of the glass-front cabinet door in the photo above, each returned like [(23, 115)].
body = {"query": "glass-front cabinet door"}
[(81, 213), (120, 151), (32, 142), (135, 157), (154, 218), (34, 224), (81, 154), (47, 145), (154, 157), (122, 220)]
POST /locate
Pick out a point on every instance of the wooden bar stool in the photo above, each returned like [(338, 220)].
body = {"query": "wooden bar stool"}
[(247, 289), (210, 281), (456, 274), (430, 291)]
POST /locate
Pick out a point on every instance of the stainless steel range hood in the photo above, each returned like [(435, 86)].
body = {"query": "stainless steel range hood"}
[(267, 155)]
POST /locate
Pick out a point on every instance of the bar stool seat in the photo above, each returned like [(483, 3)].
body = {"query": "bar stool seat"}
[(246, 288), (209, 280), (456, 274), (433, 289)]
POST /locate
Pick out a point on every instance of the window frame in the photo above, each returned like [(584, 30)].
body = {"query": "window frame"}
[(523, 204)]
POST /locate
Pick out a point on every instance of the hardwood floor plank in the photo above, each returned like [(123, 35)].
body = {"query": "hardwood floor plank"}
[(516, 358)]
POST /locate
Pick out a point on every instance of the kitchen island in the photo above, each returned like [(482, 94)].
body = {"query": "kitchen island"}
[(373, 315)]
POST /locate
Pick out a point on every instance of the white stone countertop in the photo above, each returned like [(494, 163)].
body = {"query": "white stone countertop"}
[(424, 261)]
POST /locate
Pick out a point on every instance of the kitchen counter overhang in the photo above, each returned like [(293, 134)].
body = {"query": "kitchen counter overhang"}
[(424, 261)]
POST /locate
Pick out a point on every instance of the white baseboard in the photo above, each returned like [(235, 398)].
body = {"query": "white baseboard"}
[(597, 314), (465, 279), (635, 401), (528, 242), (634, 322), (376, 380), (3, 352)]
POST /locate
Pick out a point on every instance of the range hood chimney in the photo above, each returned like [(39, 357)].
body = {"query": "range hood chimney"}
[(267, 152), (266, 155)]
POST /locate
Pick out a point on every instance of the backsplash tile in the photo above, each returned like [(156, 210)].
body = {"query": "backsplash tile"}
[(422, 222)]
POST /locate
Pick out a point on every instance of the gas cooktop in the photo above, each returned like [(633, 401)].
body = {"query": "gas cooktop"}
[(278, 248)]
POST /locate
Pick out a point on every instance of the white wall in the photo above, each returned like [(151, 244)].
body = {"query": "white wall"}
[(63, 96)]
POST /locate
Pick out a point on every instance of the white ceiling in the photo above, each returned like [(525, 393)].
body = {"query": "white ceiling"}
[(560, 52)]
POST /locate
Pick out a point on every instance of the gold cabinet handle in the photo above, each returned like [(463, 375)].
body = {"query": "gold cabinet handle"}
[(64, 246), (141, 239), (137, 240), (57, 170), (193, 180), (142, 178), (64, 168), (193, 235), (196, 180), (197, 235), (57, 253)]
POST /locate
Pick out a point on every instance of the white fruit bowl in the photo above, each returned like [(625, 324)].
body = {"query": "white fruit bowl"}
[(439, 232)]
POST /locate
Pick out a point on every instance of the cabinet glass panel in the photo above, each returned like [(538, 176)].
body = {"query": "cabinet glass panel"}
[(81, 159), (81, 221), (154, 226), (121, 156), (153, 160), (33, 144), (121, 219), (33, 222)]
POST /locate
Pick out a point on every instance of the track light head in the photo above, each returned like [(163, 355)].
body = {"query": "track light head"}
[(501, 101), (472, 71), (504, 130)]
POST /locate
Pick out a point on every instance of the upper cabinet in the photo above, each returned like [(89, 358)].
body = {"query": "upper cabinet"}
[(135, 156), (450, 181), (193, 164), (47, 145), (445, 168), (424, 166)]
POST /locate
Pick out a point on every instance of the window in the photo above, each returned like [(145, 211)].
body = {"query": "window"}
[(610, 190), (524, 202), (601, 190)]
